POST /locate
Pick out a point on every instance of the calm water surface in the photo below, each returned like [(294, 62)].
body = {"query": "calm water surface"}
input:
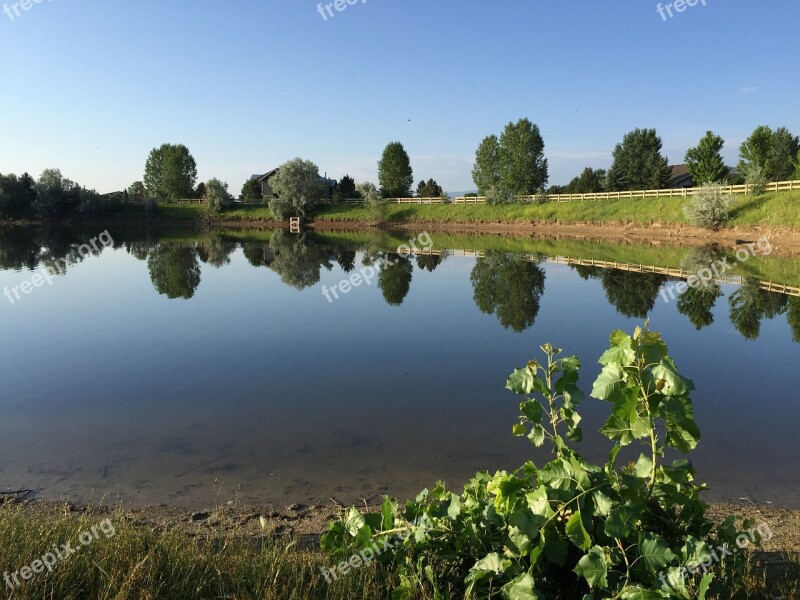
[(199, 368)]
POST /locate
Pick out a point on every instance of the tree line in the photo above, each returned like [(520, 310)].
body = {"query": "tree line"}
[(638, 164), (506, 167)]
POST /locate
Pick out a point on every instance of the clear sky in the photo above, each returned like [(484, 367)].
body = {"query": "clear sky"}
[(90, 86)]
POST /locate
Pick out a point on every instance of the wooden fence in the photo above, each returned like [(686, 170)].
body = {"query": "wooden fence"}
[(769, 286), (775, 186)]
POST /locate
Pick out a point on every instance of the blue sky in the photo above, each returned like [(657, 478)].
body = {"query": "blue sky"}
[(91, 86)]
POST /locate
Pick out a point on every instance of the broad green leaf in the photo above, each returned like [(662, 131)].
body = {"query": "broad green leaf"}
[(454, 510), (608, 382), (538, 502), (521, 588), (676, 385), (519, 430), (491, 563), (622, 354), (593, 567), (639, 593), (556, 474), (537, 436), (619, 338), (523, 382), (643, 467), (571, 363), (622, 521), (602, 504), (655, 551), (577, 532), (705, 582), (641, 428), (617, 430), (532, 411)]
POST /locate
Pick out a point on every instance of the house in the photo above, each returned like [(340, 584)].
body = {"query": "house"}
[(266, 189), (680, 177)]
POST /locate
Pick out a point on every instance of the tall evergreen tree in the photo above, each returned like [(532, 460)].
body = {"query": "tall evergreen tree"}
[(638, 163)]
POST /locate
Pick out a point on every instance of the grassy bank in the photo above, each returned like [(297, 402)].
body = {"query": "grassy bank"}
[(774, 209), (777, 209), (148, 560)]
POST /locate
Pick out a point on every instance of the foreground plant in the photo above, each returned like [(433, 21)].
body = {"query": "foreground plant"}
[(568, 529)]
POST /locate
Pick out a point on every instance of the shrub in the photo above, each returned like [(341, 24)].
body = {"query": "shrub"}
[(298, 187), (567, 529), (541, 196), (497, 195), (92, 203), (217, 196), (709, 207), (756, 179)]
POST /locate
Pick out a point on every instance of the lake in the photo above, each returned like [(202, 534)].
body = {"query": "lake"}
[(194, 368)]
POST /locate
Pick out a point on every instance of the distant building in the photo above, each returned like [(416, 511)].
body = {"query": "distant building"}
[(266, 189), (680, 177)]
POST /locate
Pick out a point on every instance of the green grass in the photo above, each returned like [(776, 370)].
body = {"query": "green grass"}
[(147, 562), (139, 562), (773, 209)]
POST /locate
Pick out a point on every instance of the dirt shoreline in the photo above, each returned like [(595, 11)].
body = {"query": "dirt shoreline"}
[(310, 522), (785, 240)]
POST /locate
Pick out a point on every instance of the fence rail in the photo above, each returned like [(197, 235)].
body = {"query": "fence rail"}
[(775, 186), (769, 286)]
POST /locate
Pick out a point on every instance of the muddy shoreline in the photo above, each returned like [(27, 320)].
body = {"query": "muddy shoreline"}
[(308, 523)]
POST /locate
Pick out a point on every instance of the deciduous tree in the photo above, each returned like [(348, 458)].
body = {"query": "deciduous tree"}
[(704, 162), (395, 174), (170, 172)]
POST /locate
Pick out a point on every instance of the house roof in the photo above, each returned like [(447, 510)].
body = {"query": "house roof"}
[(266, 175), (680, 177)]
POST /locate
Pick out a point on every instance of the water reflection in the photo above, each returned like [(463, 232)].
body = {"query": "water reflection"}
[(510, 287), (505, 284)]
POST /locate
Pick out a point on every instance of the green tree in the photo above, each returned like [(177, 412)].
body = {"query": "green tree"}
[(510, 287), (785, 147), (394, 278), (17, 195), (796, 174), (704, 162), (638, 163), (697, 303), (632, 294), (137, 192), (170, 172), (486, 172), (251, 190), (429, 189), (174, 271), (395, 174), (522, 164), (298, 187), (590, 181), (346, 189), (55, 194), (793, 318), (200, 191), (772, 152), (218, 198)]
